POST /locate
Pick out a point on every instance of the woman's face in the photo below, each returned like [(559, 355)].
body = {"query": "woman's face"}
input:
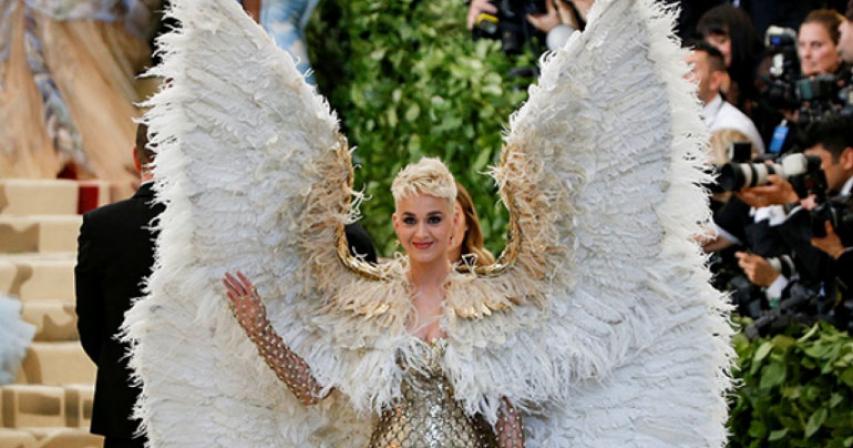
[(423, 225), (818, 53), (460, 227), (723, 43)]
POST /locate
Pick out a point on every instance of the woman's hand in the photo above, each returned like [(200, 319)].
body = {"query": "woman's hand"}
[(244, 300)]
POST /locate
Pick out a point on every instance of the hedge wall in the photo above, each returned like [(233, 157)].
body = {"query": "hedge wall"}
[(794, 390)]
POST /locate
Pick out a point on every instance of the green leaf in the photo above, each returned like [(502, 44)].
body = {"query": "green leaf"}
[(778, 434), (809, 334), (791, 393), (757, 429), (815, 422), (818, 350), (762, 352), (772, 375), (783, 342), (377, 54), (847, 376), (413, 112), (391, 116)]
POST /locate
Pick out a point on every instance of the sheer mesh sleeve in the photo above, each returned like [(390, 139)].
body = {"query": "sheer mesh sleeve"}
[(509, 428), (292, 370)]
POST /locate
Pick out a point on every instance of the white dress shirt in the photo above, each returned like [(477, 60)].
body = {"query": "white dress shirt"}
[(719, 115)]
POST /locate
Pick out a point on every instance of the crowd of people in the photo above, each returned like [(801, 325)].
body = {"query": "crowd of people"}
[(781, 119)]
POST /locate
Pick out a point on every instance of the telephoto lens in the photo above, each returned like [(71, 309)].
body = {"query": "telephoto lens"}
[(737, 176)]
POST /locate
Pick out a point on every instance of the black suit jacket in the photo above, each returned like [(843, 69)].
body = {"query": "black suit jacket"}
[(115, 253)]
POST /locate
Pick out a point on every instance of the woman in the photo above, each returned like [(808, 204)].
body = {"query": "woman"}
[(426, 216), (730, 30), (467, 238), (817, 43)]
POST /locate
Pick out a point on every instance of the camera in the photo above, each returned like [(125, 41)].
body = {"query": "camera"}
[(779, 91), (804, 305), (839, 213), (823, 96), (509, 24), (802, 171), (815, 97)]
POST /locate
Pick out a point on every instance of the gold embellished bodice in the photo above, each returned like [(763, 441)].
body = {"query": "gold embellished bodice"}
[(427, 415)]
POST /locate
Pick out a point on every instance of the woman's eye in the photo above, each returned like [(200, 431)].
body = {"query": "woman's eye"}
[(409, 221), (434, 219)]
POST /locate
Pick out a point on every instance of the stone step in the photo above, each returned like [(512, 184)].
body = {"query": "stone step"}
[(39, 233), (38, 277), (78, 405), (38, 197), (55, 321), (16, 438), (65, 438), (56, 363), (33, 405)]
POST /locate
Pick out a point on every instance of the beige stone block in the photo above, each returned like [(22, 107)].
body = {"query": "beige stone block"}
[(38, 197), (56, 363), (38, 278), (39, 233), (33, 405), (54, 320), (66, 438), (78, 405), (16, 438)]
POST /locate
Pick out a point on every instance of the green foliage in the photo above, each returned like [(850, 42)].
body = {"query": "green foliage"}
[(407, 80), (795, 390)]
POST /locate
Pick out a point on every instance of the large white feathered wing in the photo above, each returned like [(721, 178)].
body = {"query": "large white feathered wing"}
[(615, 337), (255, 176)]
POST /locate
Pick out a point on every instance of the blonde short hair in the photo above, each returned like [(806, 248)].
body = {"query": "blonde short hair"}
[(428, 176)]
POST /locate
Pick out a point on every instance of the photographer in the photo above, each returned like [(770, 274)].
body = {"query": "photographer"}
[(820, 259)]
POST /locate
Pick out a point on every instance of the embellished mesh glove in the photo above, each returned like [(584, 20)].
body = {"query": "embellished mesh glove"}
[(509, 428), (249, 310)]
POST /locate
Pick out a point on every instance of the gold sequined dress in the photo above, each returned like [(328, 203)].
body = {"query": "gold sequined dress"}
[(427, 415)]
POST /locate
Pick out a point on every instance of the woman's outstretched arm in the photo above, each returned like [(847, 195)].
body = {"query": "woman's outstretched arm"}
[(252, 316), (509, 428)]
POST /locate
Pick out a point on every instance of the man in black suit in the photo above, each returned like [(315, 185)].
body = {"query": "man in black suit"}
[(115, 253)]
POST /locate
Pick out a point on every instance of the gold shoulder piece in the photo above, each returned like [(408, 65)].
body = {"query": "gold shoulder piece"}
[(351, 262)]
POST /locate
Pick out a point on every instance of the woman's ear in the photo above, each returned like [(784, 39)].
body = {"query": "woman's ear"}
[(395, 221)]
